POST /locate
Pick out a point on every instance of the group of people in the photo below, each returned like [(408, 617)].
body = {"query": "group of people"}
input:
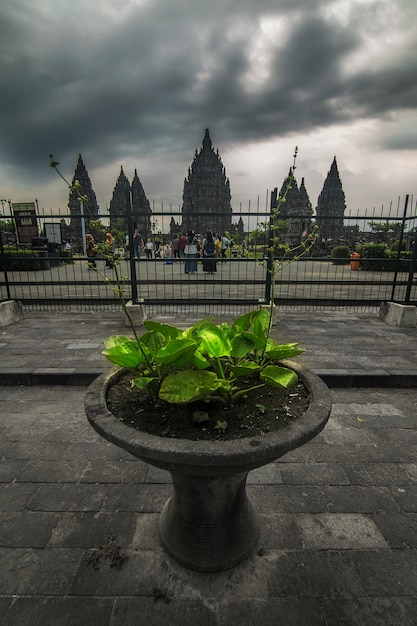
[(188, 247), (212, 249)]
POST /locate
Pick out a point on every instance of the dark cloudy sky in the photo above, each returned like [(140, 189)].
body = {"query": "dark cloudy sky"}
[(136, 83)]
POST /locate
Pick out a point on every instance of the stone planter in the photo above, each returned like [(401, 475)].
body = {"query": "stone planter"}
[(209, 524)]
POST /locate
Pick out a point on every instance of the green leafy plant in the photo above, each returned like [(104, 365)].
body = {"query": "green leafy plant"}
[(218, 363), (209, 362)]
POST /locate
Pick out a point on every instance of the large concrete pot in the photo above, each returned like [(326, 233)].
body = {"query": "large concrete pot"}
[(209, 524)]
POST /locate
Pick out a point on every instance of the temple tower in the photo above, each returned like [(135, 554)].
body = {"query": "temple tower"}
[(123, 193), (331, 207), (296, 210), (141, 209), (90, 207), (206, 196), (119, 204)]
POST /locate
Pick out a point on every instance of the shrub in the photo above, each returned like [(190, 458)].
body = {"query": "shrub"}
[(13, 260), (379, 258), (340, 255)]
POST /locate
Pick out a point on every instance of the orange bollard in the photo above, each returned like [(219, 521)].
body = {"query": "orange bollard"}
[(354, 264)]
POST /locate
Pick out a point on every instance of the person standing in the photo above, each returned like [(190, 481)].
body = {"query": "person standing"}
[(182, 244), (137, 243), (209, 254), (225, 245), (148, 248), (91, 253), (218, 247), (110, 243), (175, 247), (191, 253)]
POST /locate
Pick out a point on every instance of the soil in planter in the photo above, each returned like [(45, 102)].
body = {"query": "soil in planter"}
[(262, 411)]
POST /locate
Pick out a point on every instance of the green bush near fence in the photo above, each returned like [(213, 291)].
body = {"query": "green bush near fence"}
[(340, 255), (13, 260), (378, 257)]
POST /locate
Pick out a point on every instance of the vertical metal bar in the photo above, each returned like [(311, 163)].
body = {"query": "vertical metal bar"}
[(413, 264), (4, 261), (394, 284), (132, 263), (270, 250)]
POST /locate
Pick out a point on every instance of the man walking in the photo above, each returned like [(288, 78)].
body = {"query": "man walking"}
[(225, 245)]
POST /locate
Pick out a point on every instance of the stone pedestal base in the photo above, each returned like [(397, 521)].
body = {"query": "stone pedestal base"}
[(137, 313), (10, 311), (402, 315)]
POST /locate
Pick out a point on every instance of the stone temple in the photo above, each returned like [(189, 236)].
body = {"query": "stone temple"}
[(123, 193), (331, 206), (206, 196)]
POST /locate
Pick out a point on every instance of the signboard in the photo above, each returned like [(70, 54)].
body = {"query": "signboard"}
[(53, 232), (25, 220)]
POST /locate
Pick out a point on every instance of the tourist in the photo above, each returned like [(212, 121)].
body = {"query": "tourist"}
[(167, 252), (209, 254), (148, 248), (137, 243), (157, 249), (91, 253), (191, 253), (225, 245), (218, 247), (110, 243), (175, 247), (182, 244)]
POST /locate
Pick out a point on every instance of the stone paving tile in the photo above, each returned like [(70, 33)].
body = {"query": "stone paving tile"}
[(26, 529), (399, 530), (339, 531), (92, 529), (53, 611), (384, 611), (28, 571)]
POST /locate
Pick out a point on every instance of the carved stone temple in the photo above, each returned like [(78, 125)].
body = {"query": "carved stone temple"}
[(331, 207), (123, 193), (206, 196), (90, 208)]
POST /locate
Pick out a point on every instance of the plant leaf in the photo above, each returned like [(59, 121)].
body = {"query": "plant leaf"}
[(277, 352), (123, 351), (175, 349), (142, 382), (214, 342), (244, 370), (188, 386), (169, 332), (279, 376), (241, 345), (153, 340)]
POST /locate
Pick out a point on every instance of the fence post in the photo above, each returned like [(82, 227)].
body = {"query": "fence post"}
[(132, 262), (413, 264), (394, 284), (270, 249), (3, 259)]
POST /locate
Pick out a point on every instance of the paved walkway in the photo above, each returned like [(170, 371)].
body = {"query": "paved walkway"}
[(338, 517)]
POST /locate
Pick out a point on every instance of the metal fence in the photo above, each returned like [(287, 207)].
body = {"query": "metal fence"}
[(47, 277)]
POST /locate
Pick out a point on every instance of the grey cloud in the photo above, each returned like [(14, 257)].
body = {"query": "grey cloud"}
[(146, 79)]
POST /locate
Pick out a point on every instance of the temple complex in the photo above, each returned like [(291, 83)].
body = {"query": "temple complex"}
[(206, 196), (207, 203)]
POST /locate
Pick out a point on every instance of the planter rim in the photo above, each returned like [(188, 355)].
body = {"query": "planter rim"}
[(174, 453)]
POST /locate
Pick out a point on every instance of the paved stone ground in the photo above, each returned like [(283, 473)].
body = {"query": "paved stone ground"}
[(338, 517)]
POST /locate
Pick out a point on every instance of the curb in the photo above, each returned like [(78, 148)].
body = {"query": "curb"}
[(332, 378)]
